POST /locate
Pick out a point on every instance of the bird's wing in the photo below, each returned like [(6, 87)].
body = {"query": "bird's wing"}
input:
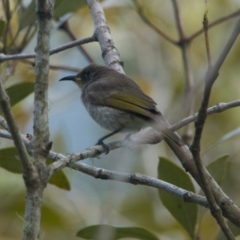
[(122, 95), (128, 96)]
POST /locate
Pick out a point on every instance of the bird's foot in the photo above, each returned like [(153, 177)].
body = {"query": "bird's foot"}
[(104, 145)]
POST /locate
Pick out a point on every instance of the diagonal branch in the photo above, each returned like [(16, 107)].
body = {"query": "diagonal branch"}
[(195, 147), (10, 125), (151, 25), (65, 27), (102, 33)]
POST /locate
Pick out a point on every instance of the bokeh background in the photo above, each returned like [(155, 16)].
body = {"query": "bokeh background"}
[(156, 65)]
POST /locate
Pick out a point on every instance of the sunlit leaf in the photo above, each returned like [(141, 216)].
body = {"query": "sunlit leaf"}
[(19, 91), (218, 168), (107, 231), (2, 27), (9, 160), (184, 213)]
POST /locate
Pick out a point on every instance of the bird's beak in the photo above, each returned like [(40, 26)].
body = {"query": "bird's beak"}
[(68, 78)]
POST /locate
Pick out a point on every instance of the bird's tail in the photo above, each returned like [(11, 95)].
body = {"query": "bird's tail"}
[(163, 126)]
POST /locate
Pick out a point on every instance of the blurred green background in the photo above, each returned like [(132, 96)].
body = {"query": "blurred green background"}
[(156, 65)]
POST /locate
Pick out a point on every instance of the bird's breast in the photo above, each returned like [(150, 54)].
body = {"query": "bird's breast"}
[(112, 118)]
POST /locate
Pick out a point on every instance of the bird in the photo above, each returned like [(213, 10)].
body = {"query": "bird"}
[(118, 104)]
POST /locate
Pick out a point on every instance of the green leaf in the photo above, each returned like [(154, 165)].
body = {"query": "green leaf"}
[(184, 213), (233, 228), (225, 137), (19, 91), (65, 6), (27, 16), (102, 231), (60, 180), (218, 168), (2, 27), (9, 160)]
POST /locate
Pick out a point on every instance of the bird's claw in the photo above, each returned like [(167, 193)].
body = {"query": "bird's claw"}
[(105, 146)]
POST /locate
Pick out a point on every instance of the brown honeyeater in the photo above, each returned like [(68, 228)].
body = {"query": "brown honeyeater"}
[(118, 104)]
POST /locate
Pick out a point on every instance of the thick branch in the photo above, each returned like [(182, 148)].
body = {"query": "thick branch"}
[(40, 141), (102, 33)]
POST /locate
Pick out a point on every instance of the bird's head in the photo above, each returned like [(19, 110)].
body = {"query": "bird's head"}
[(91, 73)]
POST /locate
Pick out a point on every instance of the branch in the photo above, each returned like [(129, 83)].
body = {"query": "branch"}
[(195, 147), (151, 25), (66, 46), (139, 179), (184, 46), (210, 79), (10, 125), (136, 179), (206, 27), (214, 23), (55, 67), (65, 27), (102, 33), (230, 210), (40, 142), (154, 137)]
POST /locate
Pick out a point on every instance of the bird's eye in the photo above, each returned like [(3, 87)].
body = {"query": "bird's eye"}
[(84, 76)]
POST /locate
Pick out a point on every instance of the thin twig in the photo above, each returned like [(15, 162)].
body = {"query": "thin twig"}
[(205, 28), (178, 20), (65, 27), (55, 66), (151, 25), (218, 108), (63, 47), (184, 46), (7, 12), (214, 23)]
